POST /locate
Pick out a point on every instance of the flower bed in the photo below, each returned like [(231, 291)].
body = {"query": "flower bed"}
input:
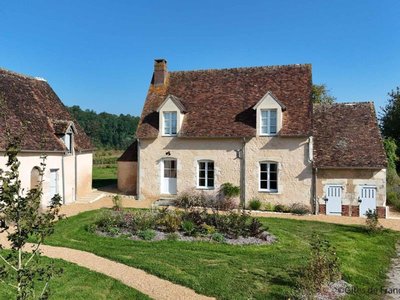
[(190, 225)]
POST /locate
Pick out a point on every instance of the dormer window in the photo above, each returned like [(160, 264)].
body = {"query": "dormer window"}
[(68, 142), (170, 123), (268, 120)]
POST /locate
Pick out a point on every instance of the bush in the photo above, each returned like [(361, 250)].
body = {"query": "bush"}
[(299, 209), (142, 220), (218, 237), (323, 267), (372, 222), (255, 204), (172, 236), (116, 199), (281, 208), (208, 229), (255, 228), (269, 206), (168, 221), (229, 190), (147, 234), (188, 227), (189, 199), (393, 198)]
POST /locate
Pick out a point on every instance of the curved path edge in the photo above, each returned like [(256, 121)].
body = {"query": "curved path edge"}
[(146, 283)]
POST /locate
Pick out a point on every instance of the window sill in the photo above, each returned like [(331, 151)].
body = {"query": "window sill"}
[(169, 135), (263, 134), (269, 191), (204, 188)]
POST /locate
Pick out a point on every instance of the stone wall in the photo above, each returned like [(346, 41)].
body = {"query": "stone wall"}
[(127, 176)]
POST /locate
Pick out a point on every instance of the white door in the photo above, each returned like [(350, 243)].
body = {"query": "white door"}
[(367, 199), (334, 200), (53, 183), (168, 181)]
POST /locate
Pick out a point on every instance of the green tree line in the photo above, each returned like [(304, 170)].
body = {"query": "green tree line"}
[(107, 131)]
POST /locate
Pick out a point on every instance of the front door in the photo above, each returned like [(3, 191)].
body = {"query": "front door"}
[(367, 199), (334, 200), (168, 182), (53, 184)]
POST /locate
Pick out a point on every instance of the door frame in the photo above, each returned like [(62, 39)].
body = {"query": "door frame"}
[(162, 188), (360, 187), (327, 200)]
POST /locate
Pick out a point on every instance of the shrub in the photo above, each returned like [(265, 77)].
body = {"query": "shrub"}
[(281, 208), (323, 267), (372, 222), (113, 230), (142, 220), (116, 199), (255, 204), (393, 198), (172, 236), (189, 199), (208, 229), (108, 220), (229, 190), (299, 209), (91, 228), (255, 228), (218, 237), (197, 217), (188, 227), (147, 234), (269, 206), (234, 225), (169, 221)]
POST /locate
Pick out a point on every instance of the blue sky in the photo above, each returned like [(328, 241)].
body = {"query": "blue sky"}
[(99, 54)]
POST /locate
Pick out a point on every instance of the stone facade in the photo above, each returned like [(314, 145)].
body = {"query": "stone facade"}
[(127, 176), (291, 154)]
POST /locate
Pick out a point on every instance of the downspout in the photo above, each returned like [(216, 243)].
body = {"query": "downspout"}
[(76, 175), (243, 175), (63, 177), (138, 194), (314, 176)]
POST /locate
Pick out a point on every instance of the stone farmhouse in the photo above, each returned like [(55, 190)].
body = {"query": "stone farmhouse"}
[(256, 128), (31, 111)]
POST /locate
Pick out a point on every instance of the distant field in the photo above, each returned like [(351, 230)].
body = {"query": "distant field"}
[(105, 167)]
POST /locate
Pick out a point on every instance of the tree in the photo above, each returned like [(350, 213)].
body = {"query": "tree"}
[(391, 154), (390, 117), (320, 94), (21, 218)]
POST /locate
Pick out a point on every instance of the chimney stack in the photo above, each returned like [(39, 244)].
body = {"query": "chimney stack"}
[(160, 72)]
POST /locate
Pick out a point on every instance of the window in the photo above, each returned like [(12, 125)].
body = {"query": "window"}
[(268, 122), (170, 123), (68, 142), (206, 174), (269, 176)]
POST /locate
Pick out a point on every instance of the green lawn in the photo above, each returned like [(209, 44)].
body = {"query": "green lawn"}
[(242, 272), (103, 176), (77, 283)]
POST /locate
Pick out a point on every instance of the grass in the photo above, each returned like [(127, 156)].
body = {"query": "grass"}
[(242, 272), (77, 283), (103, 176)]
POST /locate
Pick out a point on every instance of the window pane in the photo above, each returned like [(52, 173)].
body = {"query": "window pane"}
[(272, 167), (202, 182), (167, 164), (263, 167), (202, 174), (210, 174), (211, 166), (210, 182), (202, 165), (173, 164), (273, 185), (264, 176), (173, 174), (263, 185), (167, 173), (272, 129), (273, 176)]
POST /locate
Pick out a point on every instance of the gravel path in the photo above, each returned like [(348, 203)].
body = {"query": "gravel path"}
[(393, 281)]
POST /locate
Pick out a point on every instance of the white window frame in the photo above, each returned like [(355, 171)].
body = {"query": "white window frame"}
[(68, 141), (172, 122), (265, 123), (206, 186), (268, 180)]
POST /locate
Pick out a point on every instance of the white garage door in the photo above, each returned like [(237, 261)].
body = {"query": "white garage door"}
[(367, 199), (334, 200)]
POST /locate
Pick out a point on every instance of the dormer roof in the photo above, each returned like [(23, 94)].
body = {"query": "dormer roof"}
[(176, 101), (269, 95)]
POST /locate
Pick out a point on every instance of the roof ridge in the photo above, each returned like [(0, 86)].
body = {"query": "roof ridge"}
[(344, 103), (308, 65), (22, 75)]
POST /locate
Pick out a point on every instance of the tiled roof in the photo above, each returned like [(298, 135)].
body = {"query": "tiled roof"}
[(31, 110), (130, 154), (219, 103), (347, 135)]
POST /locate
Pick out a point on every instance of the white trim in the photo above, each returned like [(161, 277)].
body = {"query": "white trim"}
[(171, 113), (269, 94), (268, 122), (268, 162), (206, 187)]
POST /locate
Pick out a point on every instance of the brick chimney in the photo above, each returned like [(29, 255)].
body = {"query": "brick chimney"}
[(160, 72)]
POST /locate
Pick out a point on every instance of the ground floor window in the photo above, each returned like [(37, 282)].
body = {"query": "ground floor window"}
[(205, 174), (268, 176)]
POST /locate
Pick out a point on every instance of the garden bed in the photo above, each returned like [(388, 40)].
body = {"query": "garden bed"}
[(233, 228)]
